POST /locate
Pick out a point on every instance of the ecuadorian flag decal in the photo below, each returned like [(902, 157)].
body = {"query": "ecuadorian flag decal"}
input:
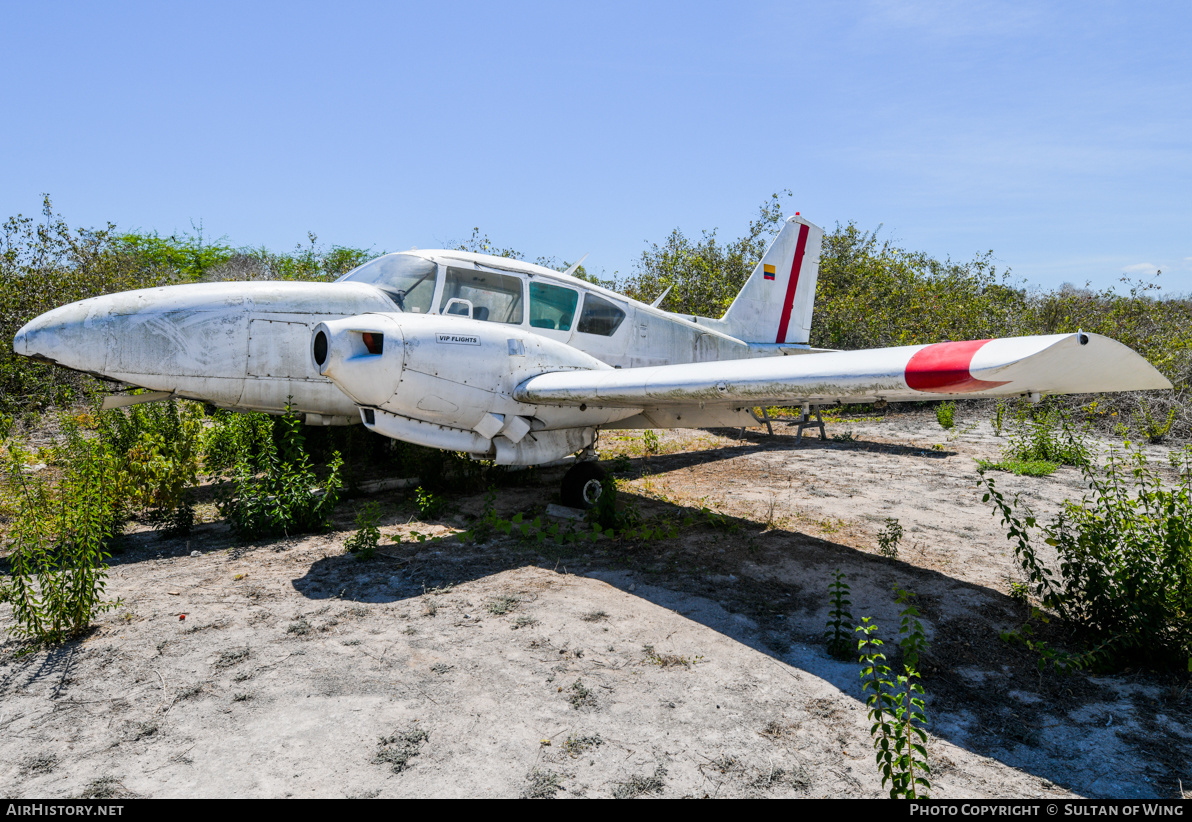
[(768, 271)]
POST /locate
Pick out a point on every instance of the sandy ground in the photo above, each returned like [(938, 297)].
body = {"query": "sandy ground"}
[(685, 667)]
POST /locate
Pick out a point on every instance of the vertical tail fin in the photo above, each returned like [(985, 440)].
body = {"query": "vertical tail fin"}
[(776, 302)]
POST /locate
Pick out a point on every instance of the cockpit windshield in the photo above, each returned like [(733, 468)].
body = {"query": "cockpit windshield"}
[(408, 279)]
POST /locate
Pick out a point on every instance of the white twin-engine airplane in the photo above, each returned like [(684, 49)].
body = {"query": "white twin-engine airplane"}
[(516, 363)]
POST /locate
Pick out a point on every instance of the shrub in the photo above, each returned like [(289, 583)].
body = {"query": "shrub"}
[(364, 542), (430, 504), (237, 439), (1125, 563), (58, 541), (1040, 442), (159, 444), (1152, 427), (651, 442), (286, 497), (889, 537), (945, 414)]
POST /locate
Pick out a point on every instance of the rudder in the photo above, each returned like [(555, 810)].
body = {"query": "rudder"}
[(776, 302)]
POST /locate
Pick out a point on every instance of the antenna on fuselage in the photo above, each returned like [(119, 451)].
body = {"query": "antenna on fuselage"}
[(575, 266), (661, 297)]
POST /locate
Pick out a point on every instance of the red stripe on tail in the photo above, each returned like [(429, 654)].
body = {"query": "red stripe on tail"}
[(792, 284)]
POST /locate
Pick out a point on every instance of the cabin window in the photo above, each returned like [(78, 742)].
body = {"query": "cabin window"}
[(599, 316), (494, 297), (407, 279), (552, 306)]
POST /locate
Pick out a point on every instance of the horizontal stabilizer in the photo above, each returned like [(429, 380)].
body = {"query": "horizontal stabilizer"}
[(1054, 364)]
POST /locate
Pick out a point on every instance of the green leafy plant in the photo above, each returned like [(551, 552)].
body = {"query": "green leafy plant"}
[(896, 704), (286, 496), (364, 542), (1124, 582), (235, 439), (999, 417), (430, 504), (1152, 427), (839, 631), (945, 414), (160, 444), (57, 542), (651, 442), (1039, 444), (889, 537), (1018, 467)]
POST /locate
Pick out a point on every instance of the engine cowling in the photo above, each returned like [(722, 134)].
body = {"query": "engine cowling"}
[(449, 383)]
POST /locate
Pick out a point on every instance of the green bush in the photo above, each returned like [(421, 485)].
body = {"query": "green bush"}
[(1020, 467), (286, 496), (159, 445), (945, 414), (1124, 580), (57, 541), (236, 439), (364, 542), (889, 537), (430, 504), (1042, 438)]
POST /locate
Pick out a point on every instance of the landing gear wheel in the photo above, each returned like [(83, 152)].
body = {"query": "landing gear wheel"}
[(582, 485)]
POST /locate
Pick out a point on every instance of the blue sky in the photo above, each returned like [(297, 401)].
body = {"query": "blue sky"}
[(1059, 135)]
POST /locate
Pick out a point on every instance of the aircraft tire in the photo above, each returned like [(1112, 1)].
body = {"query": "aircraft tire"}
[(582, 485)]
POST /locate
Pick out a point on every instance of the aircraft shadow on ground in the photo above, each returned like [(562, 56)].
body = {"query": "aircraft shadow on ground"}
[(685, 575)]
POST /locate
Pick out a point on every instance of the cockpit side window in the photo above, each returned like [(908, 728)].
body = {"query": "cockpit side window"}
[(494, 297), (552, 306), (409, 280), (599, 316)]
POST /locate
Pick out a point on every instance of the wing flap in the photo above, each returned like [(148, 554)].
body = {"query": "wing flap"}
[(1054, 364)]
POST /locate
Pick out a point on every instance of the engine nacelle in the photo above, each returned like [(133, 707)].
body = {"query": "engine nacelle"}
[(362, 355), (449, 383)]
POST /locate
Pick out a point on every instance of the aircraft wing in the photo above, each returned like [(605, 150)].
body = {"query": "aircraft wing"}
[(1055, 364)]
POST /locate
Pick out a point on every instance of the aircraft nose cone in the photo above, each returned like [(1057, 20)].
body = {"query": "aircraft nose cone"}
[(62, 336)]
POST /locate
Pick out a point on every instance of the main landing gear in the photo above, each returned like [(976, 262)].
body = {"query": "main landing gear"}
[(582, 484)]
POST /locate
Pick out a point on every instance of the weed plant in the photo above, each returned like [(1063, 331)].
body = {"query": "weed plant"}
[(839, 630), (1124, 581), (159, 445), (896, 704), (651, 442), (58, 541), (889, 537), (286, 497), (1040, 442), (237, 440), (430, 505), (363, 543), (945, 414)]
